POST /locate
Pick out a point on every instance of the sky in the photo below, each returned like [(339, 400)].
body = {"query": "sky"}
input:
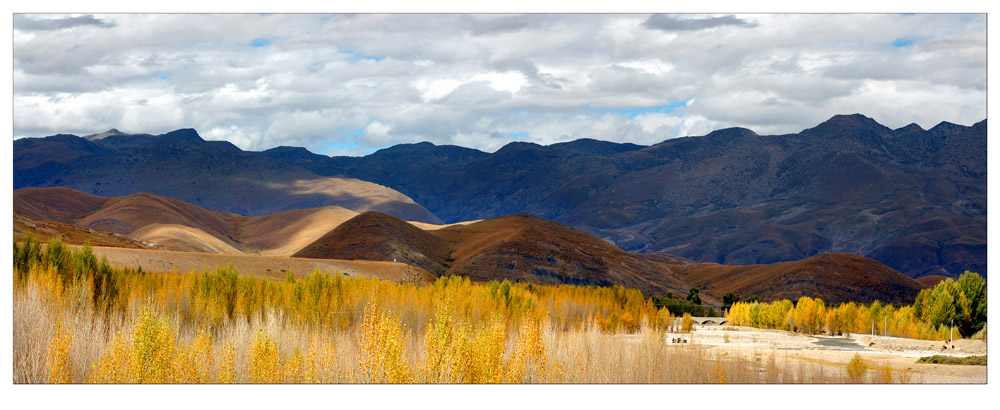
[(350, 84)]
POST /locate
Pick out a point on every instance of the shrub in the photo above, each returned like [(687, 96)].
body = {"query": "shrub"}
[(939, 359), (857, 368)]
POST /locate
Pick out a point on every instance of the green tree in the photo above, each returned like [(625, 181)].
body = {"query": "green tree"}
[(693, 296), (942, 306), (729, 299), (973, 287)]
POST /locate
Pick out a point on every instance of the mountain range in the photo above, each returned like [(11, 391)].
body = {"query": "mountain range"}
[(912, 199)]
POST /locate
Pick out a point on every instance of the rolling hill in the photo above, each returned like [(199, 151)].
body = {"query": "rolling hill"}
[(44, 230), (834, 277), (519, 247), (525, 248), (177, 225)]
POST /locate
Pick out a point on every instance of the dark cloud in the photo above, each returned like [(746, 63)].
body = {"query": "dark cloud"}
[(667, 22), (25, 23)]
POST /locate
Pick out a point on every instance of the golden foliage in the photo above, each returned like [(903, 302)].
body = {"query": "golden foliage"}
[(687, 323), (528, 364), (380, 341), (265, 361), (58, 360)]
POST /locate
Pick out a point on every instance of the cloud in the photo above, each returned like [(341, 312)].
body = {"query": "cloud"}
[(24, 23), (667, 22), (360, 82)]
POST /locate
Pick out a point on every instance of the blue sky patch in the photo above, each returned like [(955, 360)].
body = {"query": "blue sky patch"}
[(361, 56), (260, 42), (902, 42), (633, 112)]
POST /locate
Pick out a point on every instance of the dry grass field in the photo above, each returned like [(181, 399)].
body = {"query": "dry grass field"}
[(272, 267)]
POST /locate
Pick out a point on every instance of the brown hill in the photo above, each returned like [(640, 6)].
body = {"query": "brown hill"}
[(527, 248), (833, 277), (375, 236), (930, 281), (44, 230), (57, 204), (520, 248), (122, 215)]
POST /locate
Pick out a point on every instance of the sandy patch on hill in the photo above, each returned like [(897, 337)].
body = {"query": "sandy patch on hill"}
[(183, 238), (433, 227)]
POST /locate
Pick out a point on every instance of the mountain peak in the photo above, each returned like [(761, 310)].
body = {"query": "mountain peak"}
[(596, 147), (838, 124), (912, 127), (285, 149), (105, 134), (181, 135), (731, 133), (517, 146)]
